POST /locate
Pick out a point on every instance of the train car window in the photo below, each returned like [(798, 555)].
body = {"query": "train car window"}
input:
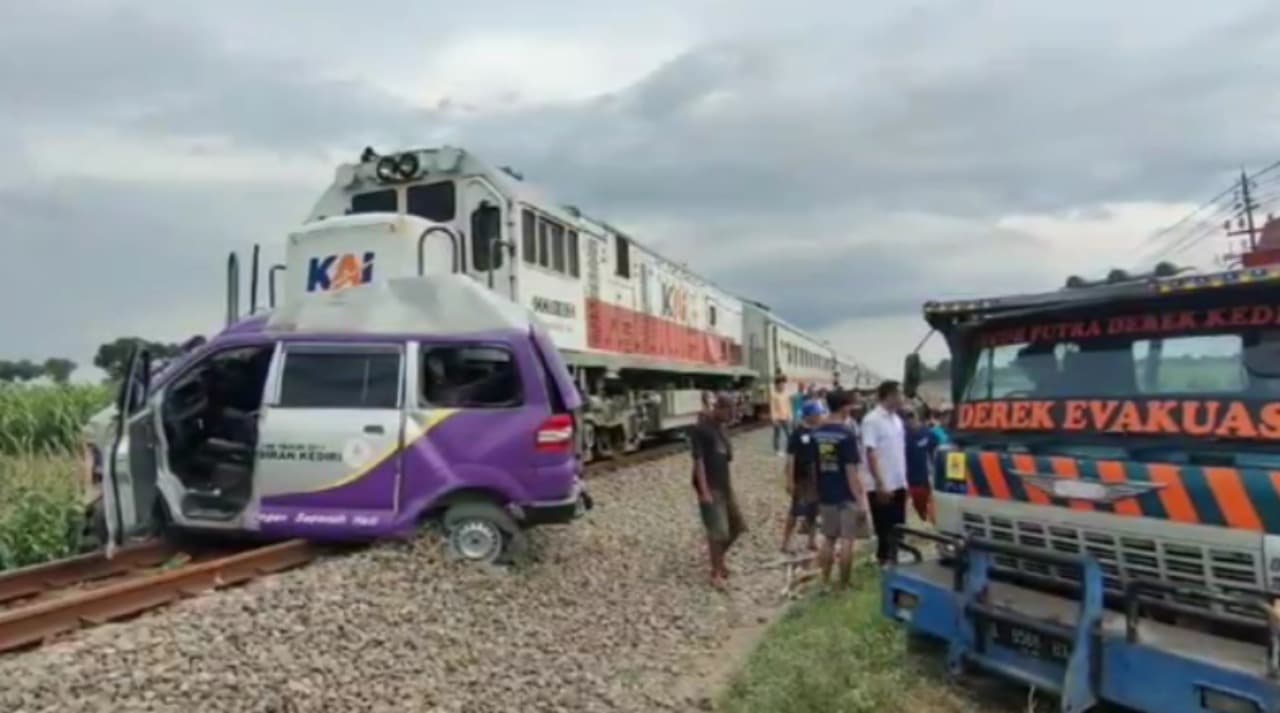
[(470, 377), (544, 243), (622, 264), (340, 378), (529, 236), (383, 201), (572, 248), (433, 201), (557, 247)]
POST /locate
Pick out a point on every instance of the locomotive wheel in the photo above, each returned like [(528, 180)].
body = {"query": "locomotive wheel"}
[(589, 441)]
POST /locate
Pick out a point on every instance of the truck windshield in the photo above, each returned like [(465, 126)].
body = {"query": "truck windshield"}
[(1173, 372)]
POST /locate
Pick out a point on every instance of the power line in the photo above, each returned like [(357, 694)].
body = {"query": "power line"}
[(1245, 202), (1169, 228), (1197, 231)]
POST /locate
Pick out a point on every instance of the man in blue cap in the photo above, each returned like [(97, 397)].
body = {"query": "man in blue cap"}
[(801, 474)]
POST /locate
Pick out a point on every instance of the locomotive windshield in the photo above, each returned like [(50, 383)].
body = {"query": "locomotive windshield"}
[(434, 201), (1203, 373)]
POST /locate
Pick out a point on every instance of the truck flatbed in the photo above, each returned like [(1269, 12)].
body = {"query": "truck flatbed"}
[(1074, 647)]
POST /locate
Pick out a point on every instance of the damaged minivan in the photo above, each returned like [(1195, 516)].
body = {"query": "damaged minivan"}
[(351, 415)]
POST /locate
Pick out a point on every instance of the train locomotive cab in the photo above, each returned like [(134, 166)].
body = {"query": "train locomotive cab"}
[(351, 416)]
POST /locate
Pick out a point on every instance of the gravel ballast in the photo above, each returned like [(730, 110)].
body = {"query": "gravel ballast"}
[(612, 613)]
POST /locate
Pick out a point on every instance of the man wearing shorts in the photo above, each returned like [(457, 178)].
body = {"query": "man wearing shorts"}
[(712, 453), (841, 500), (801, 477), (921, 447)]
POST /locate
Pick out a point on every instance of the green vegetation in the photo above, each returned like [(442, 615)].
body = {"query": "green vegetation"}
[(40, 469), (40, 509), (836, 653), (46, 419)]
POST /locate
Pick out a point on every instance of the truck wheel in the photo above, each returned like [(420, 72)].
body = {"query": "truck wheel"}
[(479, 532)]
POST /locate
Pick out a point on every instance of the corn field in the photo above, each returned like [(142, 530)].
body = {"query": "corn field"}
[(41, 507), (46, 419)]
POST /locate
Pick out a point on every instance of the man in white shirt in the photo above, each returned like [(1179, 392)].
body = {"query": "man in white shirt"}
[(885, 477)]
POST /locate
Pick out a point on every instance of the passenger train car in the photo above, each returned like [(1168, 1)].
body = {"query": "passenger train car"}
[(642, 334)]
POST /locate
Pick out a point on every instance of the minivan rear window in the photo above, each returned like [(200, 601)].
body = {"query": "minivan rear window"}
[(470, 377)]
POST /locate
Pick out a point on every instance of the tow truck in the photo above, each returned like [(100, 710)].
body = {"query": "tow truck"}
[(1107, 518)]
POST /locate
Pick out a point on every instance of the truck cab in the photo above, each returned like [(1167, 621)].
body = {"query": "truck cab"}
[(1109, 507)]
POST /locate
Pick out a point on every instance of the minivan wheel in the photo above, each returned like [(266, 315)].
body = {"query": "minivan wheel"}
[(476, 540), (478, 532), (93, 536)]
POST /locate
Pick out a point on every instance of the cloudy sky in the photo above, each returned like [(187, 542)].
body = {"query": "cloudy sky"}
[(841, 161)]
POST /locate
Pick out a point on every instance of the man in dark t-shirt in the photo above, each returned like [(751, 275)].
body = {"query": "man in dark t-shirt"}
[(712, 454), (841, 500), (801, 476)]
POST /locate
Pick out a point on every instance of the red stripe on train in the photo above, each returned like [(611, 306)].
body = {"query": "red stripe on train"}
[(627, 331)]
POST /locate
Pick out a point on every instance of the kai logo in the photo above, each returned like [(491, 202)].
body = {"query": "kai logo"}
[(337, 272), (675, 302)]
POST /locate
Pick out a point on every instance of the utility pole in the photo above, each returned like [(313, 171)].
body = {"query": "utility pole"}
[(1244, 207)]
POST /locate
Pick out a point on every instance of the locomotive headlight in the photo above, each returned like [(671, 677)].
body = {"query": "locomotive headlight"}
[(387, 168), (407, 165)]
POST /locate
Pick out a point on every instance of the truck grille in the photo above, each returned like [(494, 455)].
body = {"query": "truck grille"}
[(1124, 556)]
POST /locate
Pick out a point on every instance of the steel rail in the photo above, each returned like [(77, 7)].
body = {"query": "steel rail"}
[(37, 579), (36, 623)]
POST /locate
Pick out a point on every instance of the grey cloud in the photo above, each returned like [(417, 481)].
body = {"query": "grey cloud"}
[(972, 127), (127, 70), (99, 255), (821, 271)]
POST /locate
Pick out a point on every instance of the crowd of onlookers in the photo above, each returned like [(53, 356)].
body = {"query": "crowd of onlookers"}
[(852, 466)]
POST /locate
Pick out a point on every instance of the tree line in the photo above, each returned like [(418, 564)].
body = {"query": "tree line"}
[(938, 372), (111, 357)]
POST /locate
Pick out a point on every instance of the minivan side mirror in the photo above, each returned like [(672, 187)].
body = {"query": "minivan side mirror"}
[(911, 374)]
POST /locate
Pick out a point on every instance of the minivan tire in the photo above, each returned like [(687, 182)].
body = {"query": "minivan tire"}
[(93, 536), (479, 532)]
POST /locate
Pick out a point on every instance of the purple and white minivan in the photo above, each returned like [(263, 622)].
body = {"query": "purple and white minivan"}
[(353, 415)]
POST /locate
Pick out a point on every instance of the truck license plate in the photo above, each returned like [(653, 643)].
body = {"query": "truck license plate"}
[(1030, 643)]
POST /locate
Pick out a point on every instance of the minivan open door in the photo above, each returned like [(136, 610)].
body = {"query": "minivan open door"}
[(129, 487)]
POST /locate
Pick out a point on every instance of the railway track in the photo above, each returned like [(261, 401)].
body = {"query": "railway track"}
[(47, 601)]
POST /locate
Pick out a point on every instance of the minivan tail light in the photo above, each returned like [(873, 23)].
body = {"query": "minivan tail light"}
[(555, 435)]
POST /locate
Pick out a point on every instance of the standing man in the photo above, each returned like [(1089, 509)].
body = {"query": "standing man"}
[(712, 453), (884, 439), (920, 449), (780, 413), (935, 426), (841, 498), (801, 475), (797, 401)]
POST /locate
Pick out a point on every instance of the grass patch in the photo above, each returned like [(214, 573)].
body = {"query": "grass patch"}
[(41, 512), (40, 509), (836, 653)]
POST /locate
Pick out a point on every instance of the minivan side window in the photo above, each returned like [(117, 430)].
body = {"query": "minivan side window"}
[(317, 377), (466, 376)]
